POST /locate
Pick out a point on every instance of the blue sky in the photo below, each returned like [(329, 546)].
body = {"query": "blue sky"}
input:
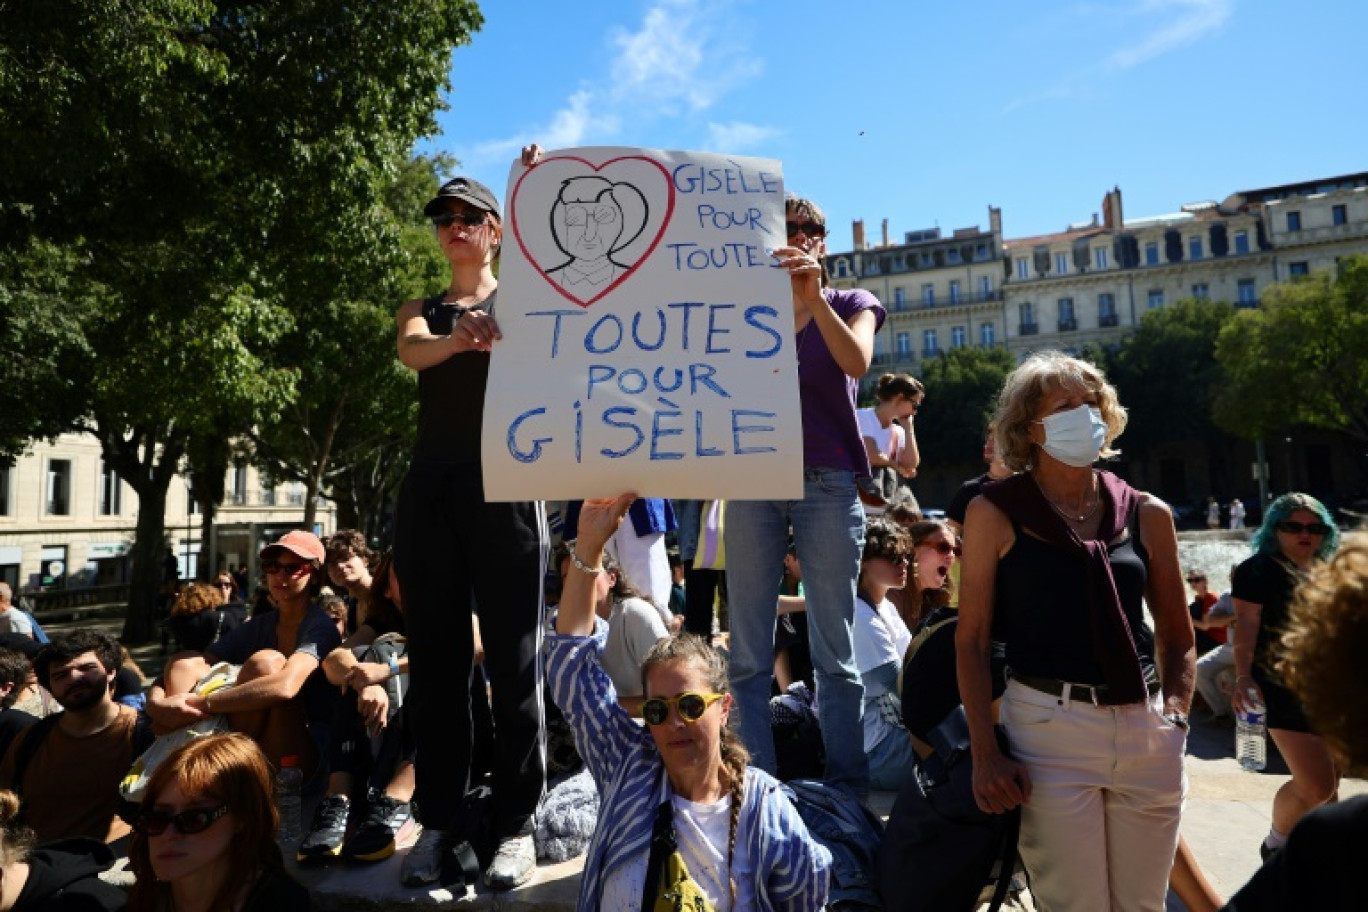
[(927, 113)]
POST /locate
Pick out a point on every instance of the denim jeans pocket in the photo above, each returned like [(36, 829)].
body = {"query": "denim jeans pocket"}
[(833, 482)]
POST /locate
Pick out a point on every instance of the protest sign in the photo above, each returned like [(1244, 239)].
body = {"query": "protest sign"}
[(647, 334)]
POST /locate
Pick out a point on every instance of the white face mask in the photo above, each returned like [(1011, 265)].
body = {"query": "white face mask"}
[(1075, 437)]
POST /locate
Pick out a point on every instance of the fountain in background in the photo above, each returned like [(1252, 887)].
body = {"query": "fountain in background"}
[(1213, 553)]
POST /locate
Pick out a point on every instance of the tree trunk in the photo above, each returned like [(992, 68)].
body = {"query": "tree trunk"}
[(144, 590), (320, 466)]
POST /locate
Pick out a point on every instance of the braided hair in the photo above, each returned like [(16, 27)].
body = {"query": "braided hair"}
[(694, 650)]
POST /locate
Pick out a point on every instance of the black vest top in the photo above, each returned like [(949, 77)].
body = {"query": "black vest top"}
[(451, 394), (1041, 608)]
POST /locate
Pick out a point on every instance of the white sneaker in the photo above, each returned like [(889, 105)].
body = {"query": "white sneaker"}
[(514, 863), (423, 864)]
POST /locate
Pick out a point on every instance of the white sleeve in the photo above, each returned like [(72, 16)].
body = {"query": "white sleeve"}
[(874, 642)]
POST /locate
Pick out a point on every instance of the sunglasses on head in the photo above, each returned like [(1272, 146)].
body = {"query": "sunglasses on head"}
[(271, 568), (470, 218), (943, 547), (691, 707), (808, 229), (1196, 579), (894, 557), (1291, 527), (187, 823)]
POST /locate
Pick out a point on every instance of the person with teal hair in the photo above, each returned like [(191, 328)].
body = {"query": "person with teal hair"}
[(1297, 533)]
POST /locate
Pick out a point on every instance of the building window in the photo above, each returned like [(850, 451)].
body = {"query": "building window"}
[(954, 291), (6, 485), (1201, 291), (1023, 268), (1194, 248), (1152, 254), (928, 295), (295, 494), (1062, 263), (1294, 221), (987, 335), (1106, 309), (1242, 242), (957, 337), (952, 255), (1099, 257), (1339, 215), (904, 342), (929, 344), (59, 487), (1067, 323), (1297, 270), (986, 287), (981, 252), (1248, 294), (111, 490), (267, 496), (899, 298), (1027, 314), (842, 268), (1156, 298)]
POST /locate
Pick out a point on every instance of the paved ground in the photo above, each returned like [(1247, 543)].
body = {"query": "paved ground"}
[(1226, 817)]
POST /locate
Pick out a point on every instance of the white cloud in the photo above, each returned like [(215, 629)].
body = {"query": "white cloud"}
[(682, 59), (1186, 21), (738, 136)]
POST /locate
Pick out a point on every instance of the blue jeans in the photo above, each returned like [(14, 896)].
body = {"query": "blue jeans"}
[(828, 529)]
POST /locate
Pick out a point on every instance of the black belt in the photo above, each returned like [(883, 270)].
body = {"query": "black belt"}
[(1094, 694)]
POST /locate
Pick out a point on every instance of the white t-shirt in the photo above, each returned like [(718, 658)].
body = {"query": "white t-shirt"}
[(701, 832), (887, 440), (634, 626), (15, 621), (880, 637)]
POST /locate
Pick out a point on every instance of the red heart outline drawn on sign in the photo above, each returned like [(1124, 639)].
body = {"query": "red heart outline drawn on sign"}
[(593, 170)]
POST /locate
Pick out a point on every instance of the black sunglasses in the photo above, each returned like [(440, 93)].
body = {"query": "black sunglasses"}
[(810, 229), (188, 823), (1295, 528), (943, 547), (470, 218), (691, 707)]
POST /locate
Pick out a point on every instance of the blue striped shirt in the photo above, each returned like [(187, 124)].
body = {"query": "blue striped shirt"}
[(792, 870)]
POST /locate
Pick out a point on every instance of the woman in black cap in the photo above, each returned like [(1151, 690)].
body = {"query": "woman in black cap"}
[(455, 552)]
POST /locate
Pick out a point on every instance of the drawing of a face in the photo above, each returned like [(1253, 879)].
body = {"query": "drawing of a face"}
[(592, 229)]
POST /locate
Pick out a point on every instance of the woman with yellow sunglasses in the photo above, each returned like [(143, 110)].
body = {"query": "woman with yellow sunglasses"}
[(739, 838)]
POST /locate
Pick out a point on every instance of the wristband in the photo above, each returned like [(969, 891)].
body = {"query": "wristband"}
[(581, 566), (394, 667)]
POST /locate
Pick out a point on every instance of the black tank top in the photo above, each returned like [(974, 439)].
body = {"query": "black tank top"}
[(451, 394), (1041, 608)]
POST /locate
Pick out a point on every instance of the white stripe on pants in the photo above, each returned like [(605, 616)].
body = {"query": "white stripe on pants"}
[(1107, 787)]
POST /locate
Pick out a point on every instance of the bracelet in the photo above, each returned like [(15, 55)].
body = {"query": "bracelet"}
[(394, 667), (581, 566)]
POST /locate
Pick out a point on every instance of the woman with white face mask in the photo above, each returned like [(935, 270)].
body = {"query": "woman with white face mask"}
[(1057, 561)]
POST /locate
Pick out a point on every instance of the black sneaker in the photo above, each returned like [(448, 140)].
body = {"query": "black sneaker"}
[(374, 839), (329, 828)]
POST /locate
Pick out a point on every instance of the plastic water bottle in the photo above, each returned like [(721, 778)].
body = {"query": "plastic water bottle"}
[(1251, 733), (289, 784)]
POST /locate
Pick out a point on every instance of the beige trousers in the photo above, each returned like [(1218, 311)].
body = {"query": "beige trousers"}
[(1107, 788)]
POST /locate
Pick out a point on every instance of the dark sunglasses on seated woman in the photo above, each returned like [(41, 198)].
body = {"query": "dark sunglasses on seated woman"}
[(809, 229), (1291, 527), (691, 707), (470, 218), (188, 823), (271, 568)]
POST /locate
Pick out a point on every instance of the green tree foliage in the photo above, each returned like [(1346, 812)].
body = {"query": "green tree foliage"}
[(1301, 358), (217, 171), (962, 386)]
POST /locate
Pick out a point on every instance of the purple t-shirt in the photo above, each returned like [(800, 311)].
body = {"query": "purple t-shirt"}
[(831, 435)]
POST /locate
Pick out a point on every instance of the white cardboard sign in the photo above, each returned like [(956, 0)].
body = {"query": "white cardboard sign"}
[(647, 335)]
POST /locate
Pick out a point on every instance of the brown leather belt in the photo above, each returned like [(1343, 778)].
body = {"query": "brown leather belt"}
[(1094, 694)]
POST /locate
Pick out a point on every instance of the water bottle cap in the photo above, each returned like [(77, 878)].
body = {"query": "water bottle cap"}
[(290, 761)]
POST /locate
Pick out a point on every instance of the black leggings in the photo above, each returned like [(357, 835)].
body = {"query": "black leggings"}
[(454, 551)]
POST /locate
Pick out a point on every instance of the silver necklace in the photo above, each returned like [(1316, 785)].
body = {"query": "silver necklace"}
[(1097, 501)]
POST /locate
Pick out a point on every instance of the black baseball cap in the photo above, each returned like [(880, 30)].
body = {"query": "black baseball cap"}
[(463, 188)]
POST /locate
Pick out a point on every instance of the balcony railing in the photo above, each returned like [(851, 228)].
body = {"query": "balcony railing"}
[(1067, 324), (931, 353), (1029, 329), (964, 297), (1105, 320)]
